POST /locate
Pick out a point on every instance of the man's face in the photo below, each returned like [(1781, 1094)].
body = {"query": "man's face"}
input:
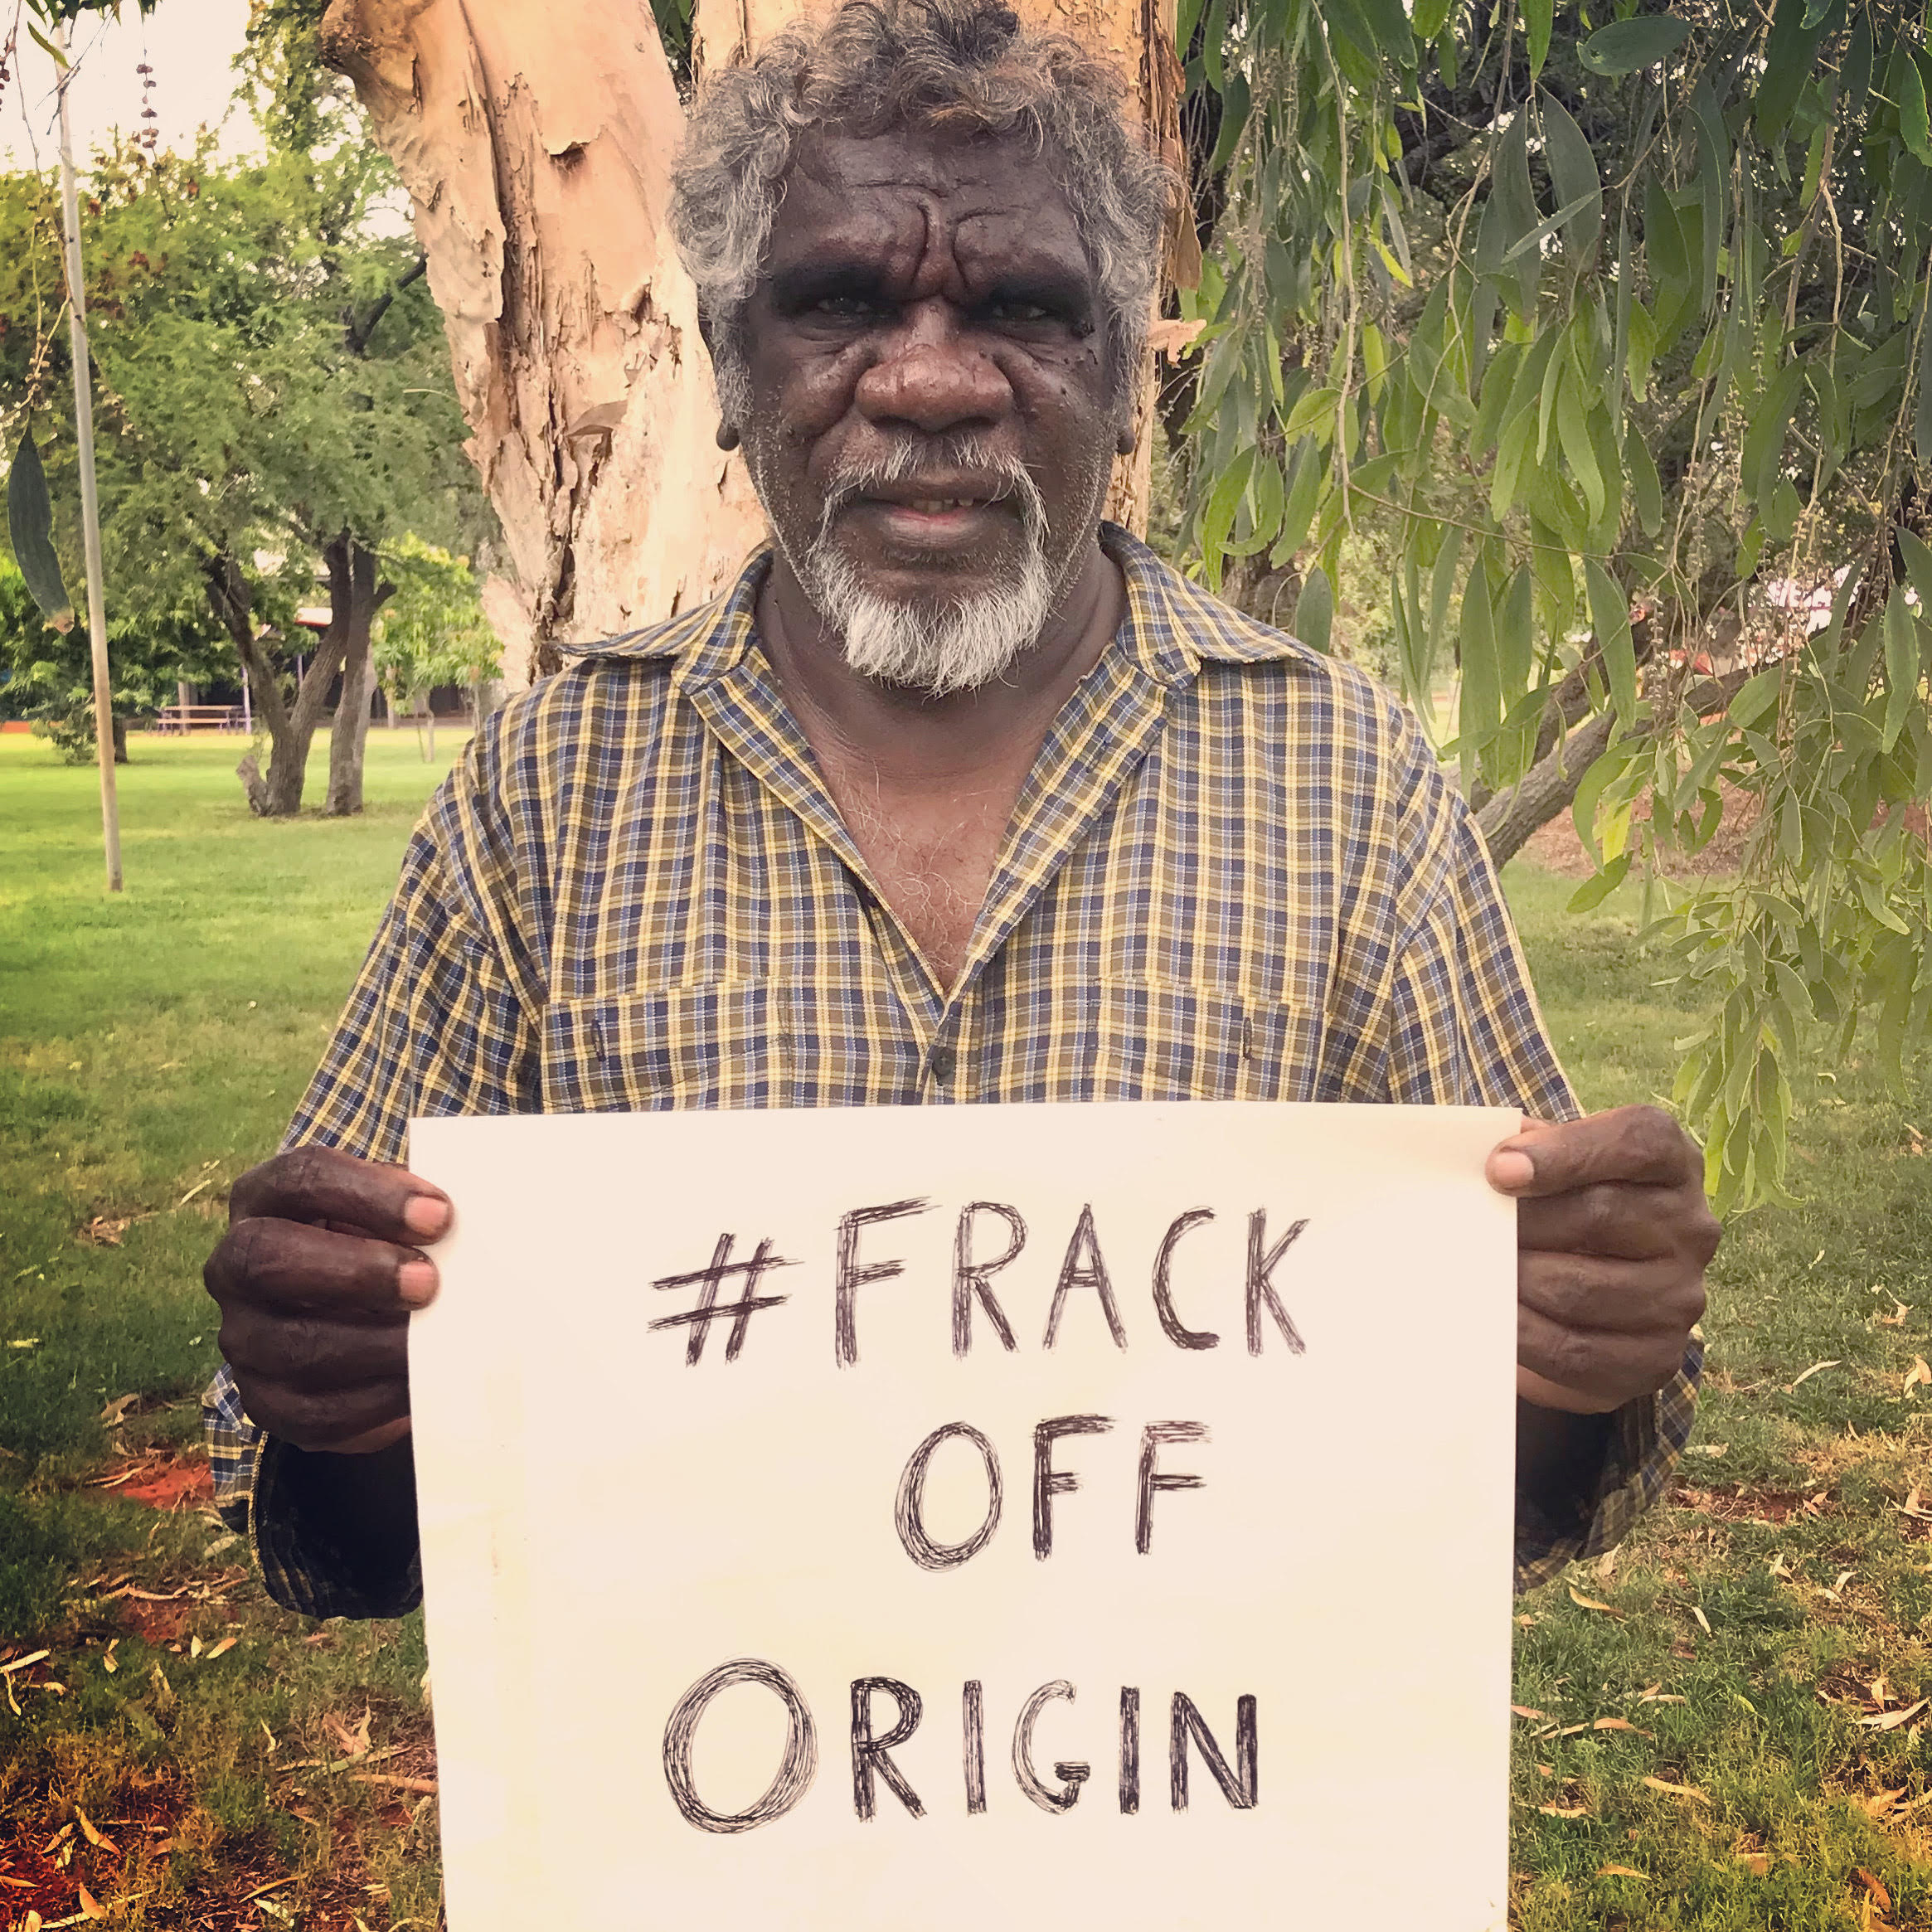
[(933, 417)]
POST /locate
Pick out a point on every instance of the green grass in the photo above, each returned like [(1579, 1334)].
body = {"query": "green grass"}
[(152, 1046)]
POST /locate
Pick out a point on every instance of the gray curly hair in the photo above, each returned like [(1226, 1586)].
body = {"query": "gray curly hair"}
[(873, 66)]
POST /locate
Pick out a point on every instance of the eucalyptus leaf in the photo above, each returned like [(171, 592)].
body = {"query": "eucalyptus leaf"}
[(30, 526), (1626, 45)]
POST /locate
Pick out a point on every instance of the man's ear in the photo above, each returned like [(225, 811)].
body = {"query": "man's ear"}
[(729, 436), (1125, 441)]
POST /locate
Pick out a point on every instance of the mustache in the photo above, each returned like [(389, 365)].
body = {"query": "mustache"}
[(943, 457)]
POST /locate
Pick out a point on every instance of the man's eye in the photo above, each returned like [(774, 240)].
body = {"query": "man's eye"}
[(1019, 312), (845, 308)]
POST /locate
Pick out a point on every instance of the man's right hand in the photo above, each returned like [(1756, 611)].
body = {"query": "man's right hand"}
[(321, 1268)]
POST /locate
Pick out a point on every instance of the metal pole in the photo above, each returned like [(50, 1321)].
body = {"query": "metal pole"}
[(104, 718)]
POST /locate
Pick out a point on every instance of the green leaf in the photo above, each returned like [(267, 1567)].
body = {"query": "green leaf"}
[(1579, 189), (1918, 567), (1594, 892), (1764, 442), (1922, 410), (1516, 201), (1535, 24), (1756, 698), (1556, 578), (1583, 807), (1481, 707), (1314, 414), (1218, 519), (1910, 86), (1304, 496), (1610, 616), (1516, 636), (1430, 18), (30, 525), (1314, 611), (1901, 666), (1235, 102), (1573, 433), (1644, 483), (1625, 46)]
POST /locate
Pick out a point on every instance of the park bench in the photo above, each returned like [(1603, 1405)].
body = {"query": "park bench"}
[(184, 718)]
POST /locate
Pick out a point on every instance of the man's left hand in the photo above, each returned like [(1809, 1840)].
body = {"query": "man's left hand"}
[(1612, 1237)]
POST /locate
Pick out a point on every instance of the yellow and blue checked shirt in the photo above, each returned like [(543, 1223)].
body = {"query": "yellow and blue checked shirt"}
[(1235, 872)]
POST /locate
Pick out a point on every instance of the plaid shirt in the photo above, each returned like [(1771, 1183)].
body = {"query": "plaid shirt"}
[(1235, 872)]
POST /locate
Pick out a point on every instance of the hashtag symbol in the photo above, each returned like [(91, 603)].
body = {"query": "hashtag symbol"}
[(708, 1281)]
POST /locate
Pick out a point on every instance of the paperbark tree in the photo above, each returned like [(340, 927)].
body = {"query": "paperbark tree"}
[(539, 166)]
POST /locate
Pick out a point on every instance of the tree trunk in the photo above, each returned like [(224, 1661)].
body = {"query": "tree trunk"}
[(118, 725), (538, 164), (291, 728), (354, 598)]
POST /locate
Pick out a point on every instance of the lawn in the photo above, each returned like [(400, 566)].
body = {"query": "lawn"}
[(1719, 1728)]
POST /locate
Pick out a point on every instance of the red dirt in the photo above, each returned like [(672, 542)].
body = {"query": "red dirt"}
[(178, 1481)]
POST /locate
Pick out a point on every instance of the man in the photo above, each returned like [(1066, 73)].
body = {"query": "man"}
[(959, 796)]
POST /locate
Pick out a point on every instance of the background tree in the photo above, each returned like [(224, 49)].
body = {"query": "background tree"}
[(47, 675), (433, 632), (273, 399)]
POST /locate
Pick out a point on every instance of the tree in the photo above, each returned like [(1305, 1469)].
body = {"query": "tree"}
[(272, 390), (1594, 323), (435, 632), (573, 335), (48, 675), (1616, 319)]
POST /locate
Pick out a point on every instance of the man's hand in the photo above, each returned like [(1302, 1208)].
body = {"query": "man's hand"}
[(317, 1278), (1612, 1237)]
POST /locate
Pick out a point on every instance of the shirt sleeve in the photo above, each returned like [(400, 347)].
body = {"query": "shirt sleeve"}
[(437, 1023), (1465, 1030)]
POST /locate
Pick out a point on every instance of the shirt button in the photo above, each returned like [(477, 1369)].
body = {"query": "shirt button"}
[(941, 1062)]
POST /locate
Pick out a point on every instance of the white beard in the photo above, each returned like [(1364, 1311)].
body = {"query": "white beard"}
[(963, 644), (959, 648)]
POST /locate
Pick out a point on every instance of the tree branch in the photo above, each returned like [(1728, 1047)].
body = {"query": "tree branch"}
[(358, 337)]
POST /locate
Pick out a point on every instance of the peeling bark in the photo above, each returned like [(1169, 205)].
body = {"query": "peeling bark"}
[(538, 164)]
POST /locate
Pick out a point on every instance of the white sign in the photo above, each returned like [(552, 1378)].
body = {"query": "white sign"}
[(1053, 1519)]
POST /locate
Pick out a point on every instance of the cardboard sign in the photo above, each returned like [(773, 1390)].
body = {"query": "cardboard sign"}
[(1047, 1518)]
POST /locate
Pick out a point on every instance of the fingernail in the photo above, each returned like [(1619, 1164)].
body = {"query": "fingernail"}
[(1509, 1169), (426, 1214), (415, 1282)]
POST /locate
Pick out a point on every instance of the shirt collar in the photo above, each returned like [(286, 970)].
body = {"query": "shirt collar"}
[(1172, 626)]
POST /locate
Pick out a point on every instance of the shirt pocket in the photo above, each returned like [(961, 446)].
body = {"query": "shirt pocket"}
[(728, 1045), (678, 1048), (1160, 1041)]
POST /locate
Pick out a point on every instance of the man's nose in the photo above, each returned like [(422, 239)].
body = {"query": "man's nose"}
[(933, 378)]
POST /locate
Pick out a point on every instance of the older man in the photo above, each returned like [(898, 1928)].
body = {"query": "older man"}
[(961, 795)]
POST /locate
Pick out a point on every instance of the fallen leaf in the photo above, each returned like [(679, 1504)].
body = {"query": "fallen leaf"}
[(1524, 1711), (1620, 1871), (18, 1884), (1713, 1449), (116, 1412), (93, 1836), (1618, 1724), (89, 1904), (1564, 1810), (1876, 1886), (1678, 1790), (195, 1643), (22, 1662), (1918, 1375), (1891, 1720), (1757, 1863), (427, 1786), (1590, 1603), (1816, 1368), (1704, 1622), (1844, 1577), (1896, 1318), (222, 1649), (274, 1885)]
